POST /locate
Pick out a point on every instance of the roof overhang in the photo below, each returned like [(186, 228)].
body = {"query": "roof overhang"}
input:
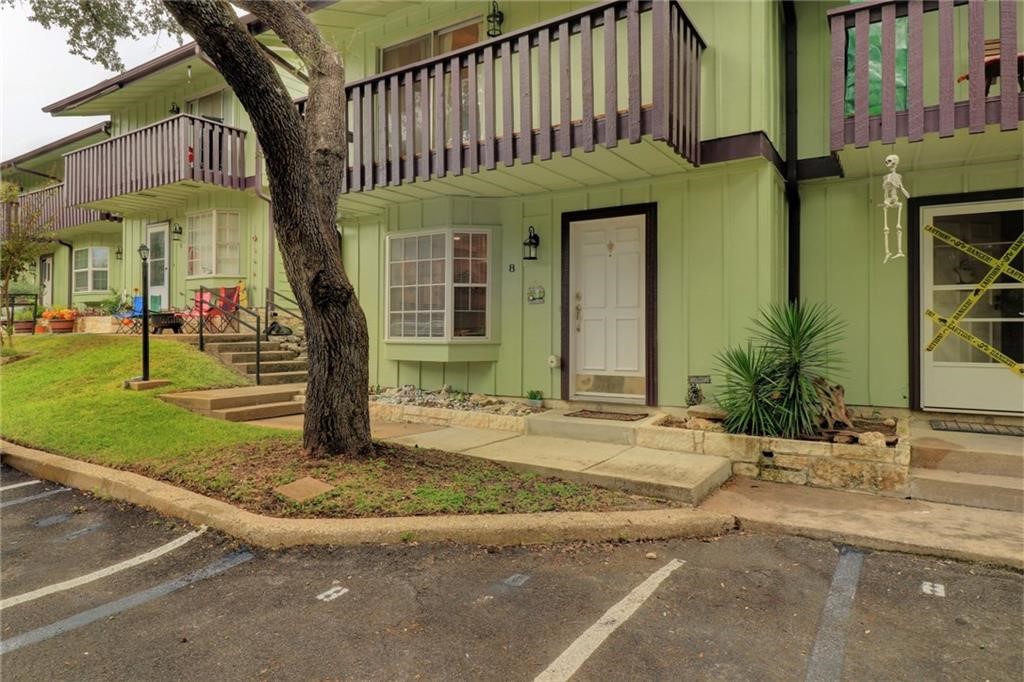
[(47, 160)]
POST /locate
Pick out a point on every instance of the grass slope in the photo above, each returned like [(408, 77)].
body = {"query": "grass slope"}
[(66, 397)]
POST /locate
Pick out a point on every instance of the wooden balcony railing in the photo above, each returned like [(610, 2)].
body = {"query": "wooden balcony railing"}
[(615, 71), (182, 147), (46, 210), (928, 91)]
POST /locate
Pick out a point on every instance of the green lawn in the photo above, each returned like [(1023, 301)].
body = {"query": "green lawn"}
[(66, 397)]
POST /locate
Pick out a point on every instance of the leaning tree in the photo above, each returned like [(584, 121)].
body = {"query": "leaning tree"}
[(305, 157)]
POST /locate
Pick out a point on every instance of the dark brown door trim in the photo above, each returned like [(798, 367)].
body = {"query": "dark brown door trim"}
[(650, 213), (914, 207)]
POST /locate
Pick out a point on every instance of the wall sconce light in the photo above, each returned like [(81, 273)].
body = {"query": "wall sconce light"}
[(175, 109), (176, 232), (495, 18), (530, 245), (118, 253)]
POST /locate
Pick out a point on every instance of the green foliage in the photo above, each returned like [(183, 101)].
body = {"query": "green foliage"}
[(95, 27), (769, 389), (748, 397), (114, 303), (534, 394), (24, 314)]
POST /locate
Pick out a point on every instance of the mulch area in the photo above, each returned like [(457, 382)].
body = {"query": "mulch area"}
[(395, 481), (611, 416)]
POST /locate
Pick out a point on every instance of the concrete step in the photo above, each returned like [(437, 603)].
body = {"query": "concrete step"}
[(265, 356), (969, 453), (555, 424), (274, 366), (241, 346), (266, 411), (972, 490), (273, 378), (205, 402), (210, 338)]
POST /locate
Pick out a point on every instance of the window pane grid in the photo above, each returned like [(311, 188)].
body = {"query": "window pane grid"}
[(214, 244), (90, 267)]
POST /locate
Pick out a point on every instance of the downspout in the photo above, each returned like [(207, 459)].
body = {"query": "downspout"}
[(269, 298), (71, 267), (792, 182)]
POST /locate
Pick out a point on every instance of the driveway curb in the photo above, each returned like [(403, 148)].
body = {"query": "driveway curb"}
[(274, 533)]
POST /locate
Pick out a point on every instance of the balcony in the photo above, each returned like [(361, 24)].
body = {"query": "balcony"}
[(157, 165), (618, 71), (47, 210), (887, 84)]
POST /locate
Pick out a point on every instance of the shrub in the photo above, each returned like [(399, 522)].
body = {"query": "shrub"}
[(770, 389)]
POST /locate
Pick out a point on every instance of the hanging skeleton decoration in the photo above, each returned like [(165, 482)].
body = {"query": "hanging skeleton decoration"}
[(892, 185)]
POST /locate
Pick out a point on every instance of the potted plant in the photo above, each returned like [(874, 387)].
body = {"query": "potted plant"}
[(535, 398), (24, 320), (62, 320)]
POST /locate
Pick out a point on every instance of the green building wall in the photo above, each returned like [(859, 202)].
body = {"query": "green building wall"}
[(721, 256), (841, 251)]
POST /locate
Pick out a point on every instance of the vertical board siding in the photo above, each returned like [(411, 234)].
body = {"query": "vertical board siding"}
[(179, 148), (494, 103), (48, 210)]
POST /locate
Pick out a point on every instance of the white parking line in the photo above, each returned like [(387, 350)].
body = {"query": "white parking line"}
[(566, 665), (18, 485), (103, 572)]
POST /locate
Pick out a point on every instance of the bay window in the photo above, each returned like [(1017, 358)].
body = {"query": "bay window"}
[(214, 243), (438, 285), (91, 267)]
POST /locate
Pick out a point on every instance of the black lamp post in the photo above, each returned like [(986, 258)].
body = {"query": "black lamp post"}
[(144, 254)]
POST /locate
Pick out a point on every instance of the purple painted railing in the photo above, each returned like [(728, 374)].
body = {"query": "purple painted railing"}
[(47, 209), (945, 114), (182, 147), (511, 100)]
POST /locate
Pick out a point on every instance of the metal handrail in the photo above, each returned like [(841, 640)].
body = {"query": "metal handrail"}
[(270, 304), (230, 314)]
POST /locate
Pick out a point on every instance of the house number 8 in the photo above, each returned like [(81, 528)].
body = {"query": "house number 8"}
[(511, 267)]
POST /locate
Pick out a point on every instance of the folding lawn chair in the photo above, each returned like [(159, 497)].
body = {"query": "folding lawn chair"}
[(130, 322), (201, 306)]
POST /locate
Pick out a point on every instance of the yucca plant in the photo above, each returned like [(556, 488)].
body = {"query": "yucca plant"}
[(751, 393), (799, 340)]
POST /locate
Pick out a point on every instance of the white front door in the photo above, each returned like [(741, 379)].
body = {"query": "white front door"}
[(607, 309), (46, 281), (158, 265), (962, 373)]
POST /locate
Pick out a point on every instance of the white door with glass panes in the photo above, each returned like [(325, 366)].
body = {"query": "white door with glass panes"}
[(156, 238), (607, 308), (46, 281), (959, 374)]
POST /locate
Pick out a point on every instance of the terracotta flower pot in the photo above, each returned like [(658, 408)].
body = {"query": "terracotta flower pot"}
[(62, 326), (24, 326)]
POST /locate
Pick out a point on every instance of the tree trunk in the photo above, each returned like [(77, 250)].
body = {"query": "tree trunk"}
[(305, 164)]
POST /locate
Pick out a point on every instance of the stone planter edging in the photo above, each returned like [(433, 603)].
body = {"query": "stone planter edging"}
[(826, 465), (440, 416)]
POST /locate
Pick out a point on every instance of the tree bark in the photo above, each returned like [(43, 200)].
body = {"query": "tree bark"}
[(305, 164)]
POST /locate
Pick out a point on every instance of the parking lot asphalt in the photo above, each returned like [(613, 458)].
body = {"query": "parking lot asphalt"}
[(95, 590)]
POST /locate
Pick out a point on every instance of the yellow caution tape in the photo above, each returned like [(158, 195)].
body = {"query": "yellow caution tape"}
[(983, 346), (977, 292), (971, 250)]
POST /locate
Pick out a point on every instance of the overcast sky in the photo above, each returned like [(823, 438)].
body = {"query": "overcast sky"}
[(36, 69)]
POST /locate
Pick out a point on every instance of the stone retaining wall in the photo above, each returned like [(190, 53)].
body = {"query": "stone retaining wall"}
[(441, 416), (876, 469)]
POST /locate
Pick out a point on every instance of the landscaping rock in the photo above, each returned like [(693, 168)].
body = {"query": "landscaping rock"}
[(702, 424), (872, 438)]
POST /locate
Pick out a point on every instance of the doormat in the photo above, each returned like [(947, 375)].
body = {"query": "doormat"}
[(975, 427), (613, 416)]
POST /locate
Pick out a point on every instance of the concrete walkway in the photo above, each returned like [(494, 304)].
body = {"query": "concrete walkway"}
[(882, 523), (683, 477)]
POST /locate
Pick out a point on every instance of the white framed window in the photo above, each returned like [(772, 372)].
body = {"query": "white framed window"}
[(214, 243), (431, 44), (91, 269), (438, 285)]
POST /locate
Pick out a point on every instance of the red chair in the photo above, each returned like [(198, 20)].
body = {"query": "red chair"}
[(228, 303), (200, 308)]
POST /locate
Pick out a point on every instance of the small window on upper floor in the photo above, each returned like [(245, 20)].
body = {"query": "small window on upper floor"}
[(431, 44), (215, 106)]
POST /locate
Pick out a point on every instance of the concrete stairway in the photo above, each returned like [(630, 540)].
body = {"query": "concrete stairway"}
[(244, 403), (975, 470), (277, 366)]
